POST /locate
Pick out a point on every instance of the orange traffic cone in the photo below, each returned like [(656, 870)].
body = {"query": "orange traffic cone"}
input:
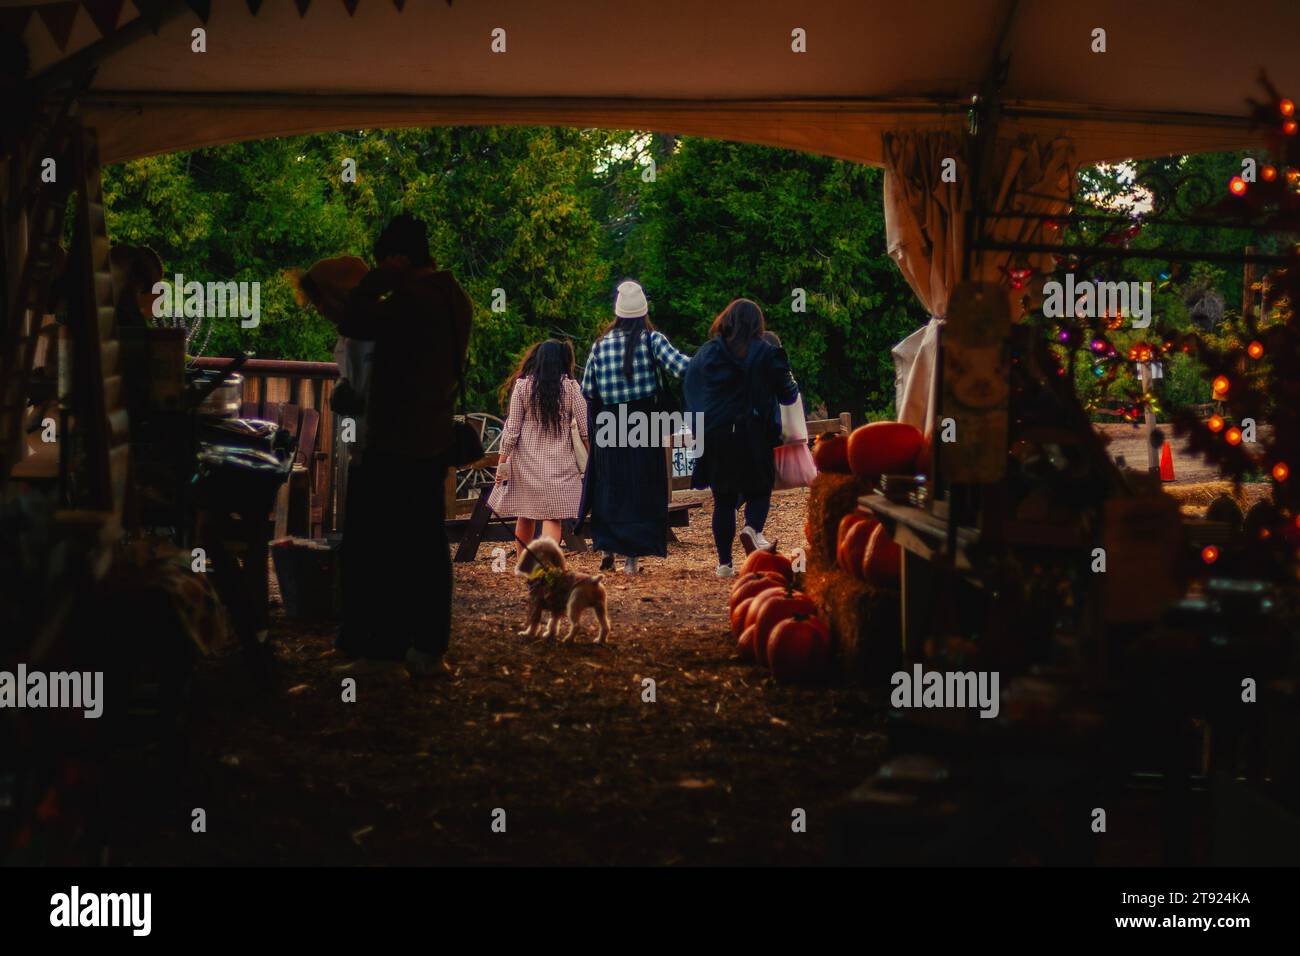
[(1166, 463)]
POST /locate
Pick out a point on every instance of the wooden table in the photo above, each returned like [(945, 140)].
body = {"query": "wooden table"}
[(923, 538)]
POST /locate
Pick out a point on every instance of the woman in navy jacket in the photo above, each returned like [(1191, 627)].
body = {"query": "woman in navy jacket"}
[(736, 380)]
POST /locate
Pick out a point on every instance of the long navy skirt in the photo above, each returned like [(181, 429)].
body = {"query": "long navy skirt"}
[(625, 491)]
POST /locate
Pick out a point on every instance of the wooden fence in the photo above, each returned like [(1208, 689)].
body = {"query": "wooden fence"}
[(271, 386)]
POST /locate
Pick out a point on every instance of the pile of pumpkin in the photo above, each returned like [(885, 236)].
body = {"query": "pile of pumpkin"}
[(863, 548), (775, 625)]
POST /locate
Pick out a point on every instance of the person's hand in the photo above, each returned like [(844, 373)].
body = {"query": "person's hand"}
[(376, 283)]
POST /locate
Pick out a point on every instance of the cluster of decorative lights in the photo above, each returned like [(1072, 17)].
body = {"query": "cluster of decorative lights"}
[(1238, 186)]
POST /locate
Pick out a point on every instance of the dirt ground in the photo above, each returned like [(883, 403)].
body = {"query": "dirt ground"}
[(557, 736), (1132, 443)]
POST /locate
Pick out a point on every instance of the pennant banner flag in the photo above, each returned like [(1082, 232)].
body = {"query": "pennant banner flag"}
[(58, 19), (202, 8), (151, 10), (104, 13), (59, 16)]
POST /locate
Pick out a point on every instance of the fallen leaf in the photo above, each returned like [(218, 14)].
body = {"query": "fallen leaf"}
[(358, 834)]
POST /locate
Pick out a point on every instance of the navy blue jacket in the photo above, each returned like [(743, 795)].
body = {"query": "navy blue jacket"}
[(744, 391)]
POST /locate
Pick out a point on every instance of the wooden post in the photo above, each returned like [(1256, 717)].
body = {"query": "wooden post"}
[(1247, 280), (1153, 456)]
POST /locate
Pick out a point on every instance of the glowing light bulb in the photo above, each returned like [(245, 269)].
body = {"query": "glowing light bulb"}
[(1289, 127), (1209, 554), (1233, 435), (1220, 385), (1215, 423), (1286, 108), (1268, 173), (1237, 186), (1255, 349), (1281, 472)]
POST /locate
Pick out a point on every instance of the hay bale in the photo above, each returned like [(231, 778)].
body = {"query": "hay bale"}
[(830, 498), (1194, 498), (865, 623)]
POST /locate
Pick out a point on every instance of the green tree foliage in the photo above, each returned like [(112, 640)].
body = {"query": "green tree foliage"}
[(1168, 188), (554, 218), (722, 220)]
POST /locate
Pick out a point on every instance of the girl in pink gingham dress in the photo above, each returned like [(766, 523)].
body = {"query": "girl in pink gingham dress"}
[(541, 480)]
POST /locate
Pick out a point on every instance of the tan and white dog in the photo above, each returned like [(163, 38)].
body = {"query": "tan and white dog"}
[(553, 588)]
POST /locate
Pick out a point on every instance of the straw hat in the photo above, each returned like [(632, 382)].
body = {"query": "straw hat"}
[(327, 283)]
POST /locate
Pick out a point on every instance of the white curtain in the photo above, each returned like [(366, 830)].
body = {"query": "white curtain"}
[(925, 231)]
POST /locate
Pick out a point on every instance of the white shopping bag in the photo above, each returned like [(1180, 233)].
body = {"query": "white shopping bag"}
[(794, 427)]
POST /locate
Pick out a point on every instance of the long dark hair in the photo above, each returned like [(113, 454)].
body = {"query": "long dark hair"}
[(632, 330), (737, 325), (522, 369), (547, 364)]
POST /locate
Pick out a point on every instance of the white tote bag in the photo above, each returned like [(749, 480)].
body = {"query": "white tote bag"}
[(794, 427), (579, 449)]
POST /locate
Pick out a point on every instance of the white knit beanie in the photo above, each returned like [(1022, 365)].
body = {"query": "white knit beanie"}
[(631, 302)]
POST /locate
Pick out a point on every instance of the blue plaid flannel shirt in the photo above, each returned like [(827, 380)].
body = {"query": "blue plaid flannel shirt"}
[(603, 376)]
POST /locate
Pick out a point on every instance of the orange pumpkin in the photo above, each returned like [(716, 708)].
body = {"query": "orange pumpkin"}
[(741, 610), (884, 448), (831, 452), (750, 584), (883, 562), (764, 561), (745, 646), (756, 603), (799, 649), (853, 546), (773, 612), (848, 521)]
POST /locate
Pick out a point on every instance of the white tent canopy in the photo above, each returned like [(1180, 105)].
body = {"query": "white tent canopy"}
[(1174, 76)]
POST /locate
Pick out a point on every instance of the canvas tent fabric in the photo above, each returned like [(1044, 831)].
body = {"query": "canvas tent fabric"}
[(872, 73), (926, 203), (1166, 83)]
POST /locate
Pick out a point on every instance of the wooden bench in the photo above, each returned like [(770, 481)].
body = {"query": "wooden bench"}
[(482, 525), (841, 424)]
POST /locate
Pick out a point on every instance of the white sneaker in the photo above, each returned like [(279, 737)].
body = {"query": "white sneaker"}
[(752, 540), (725, 571), (629, 565)]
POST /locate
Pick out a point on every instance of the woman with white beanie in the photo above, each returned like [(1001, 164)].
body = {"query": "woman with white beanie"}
[(626, 488)]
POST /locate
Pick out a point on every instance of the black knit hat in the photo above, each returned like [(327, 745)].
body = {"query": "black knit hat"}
[(405, 235)]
